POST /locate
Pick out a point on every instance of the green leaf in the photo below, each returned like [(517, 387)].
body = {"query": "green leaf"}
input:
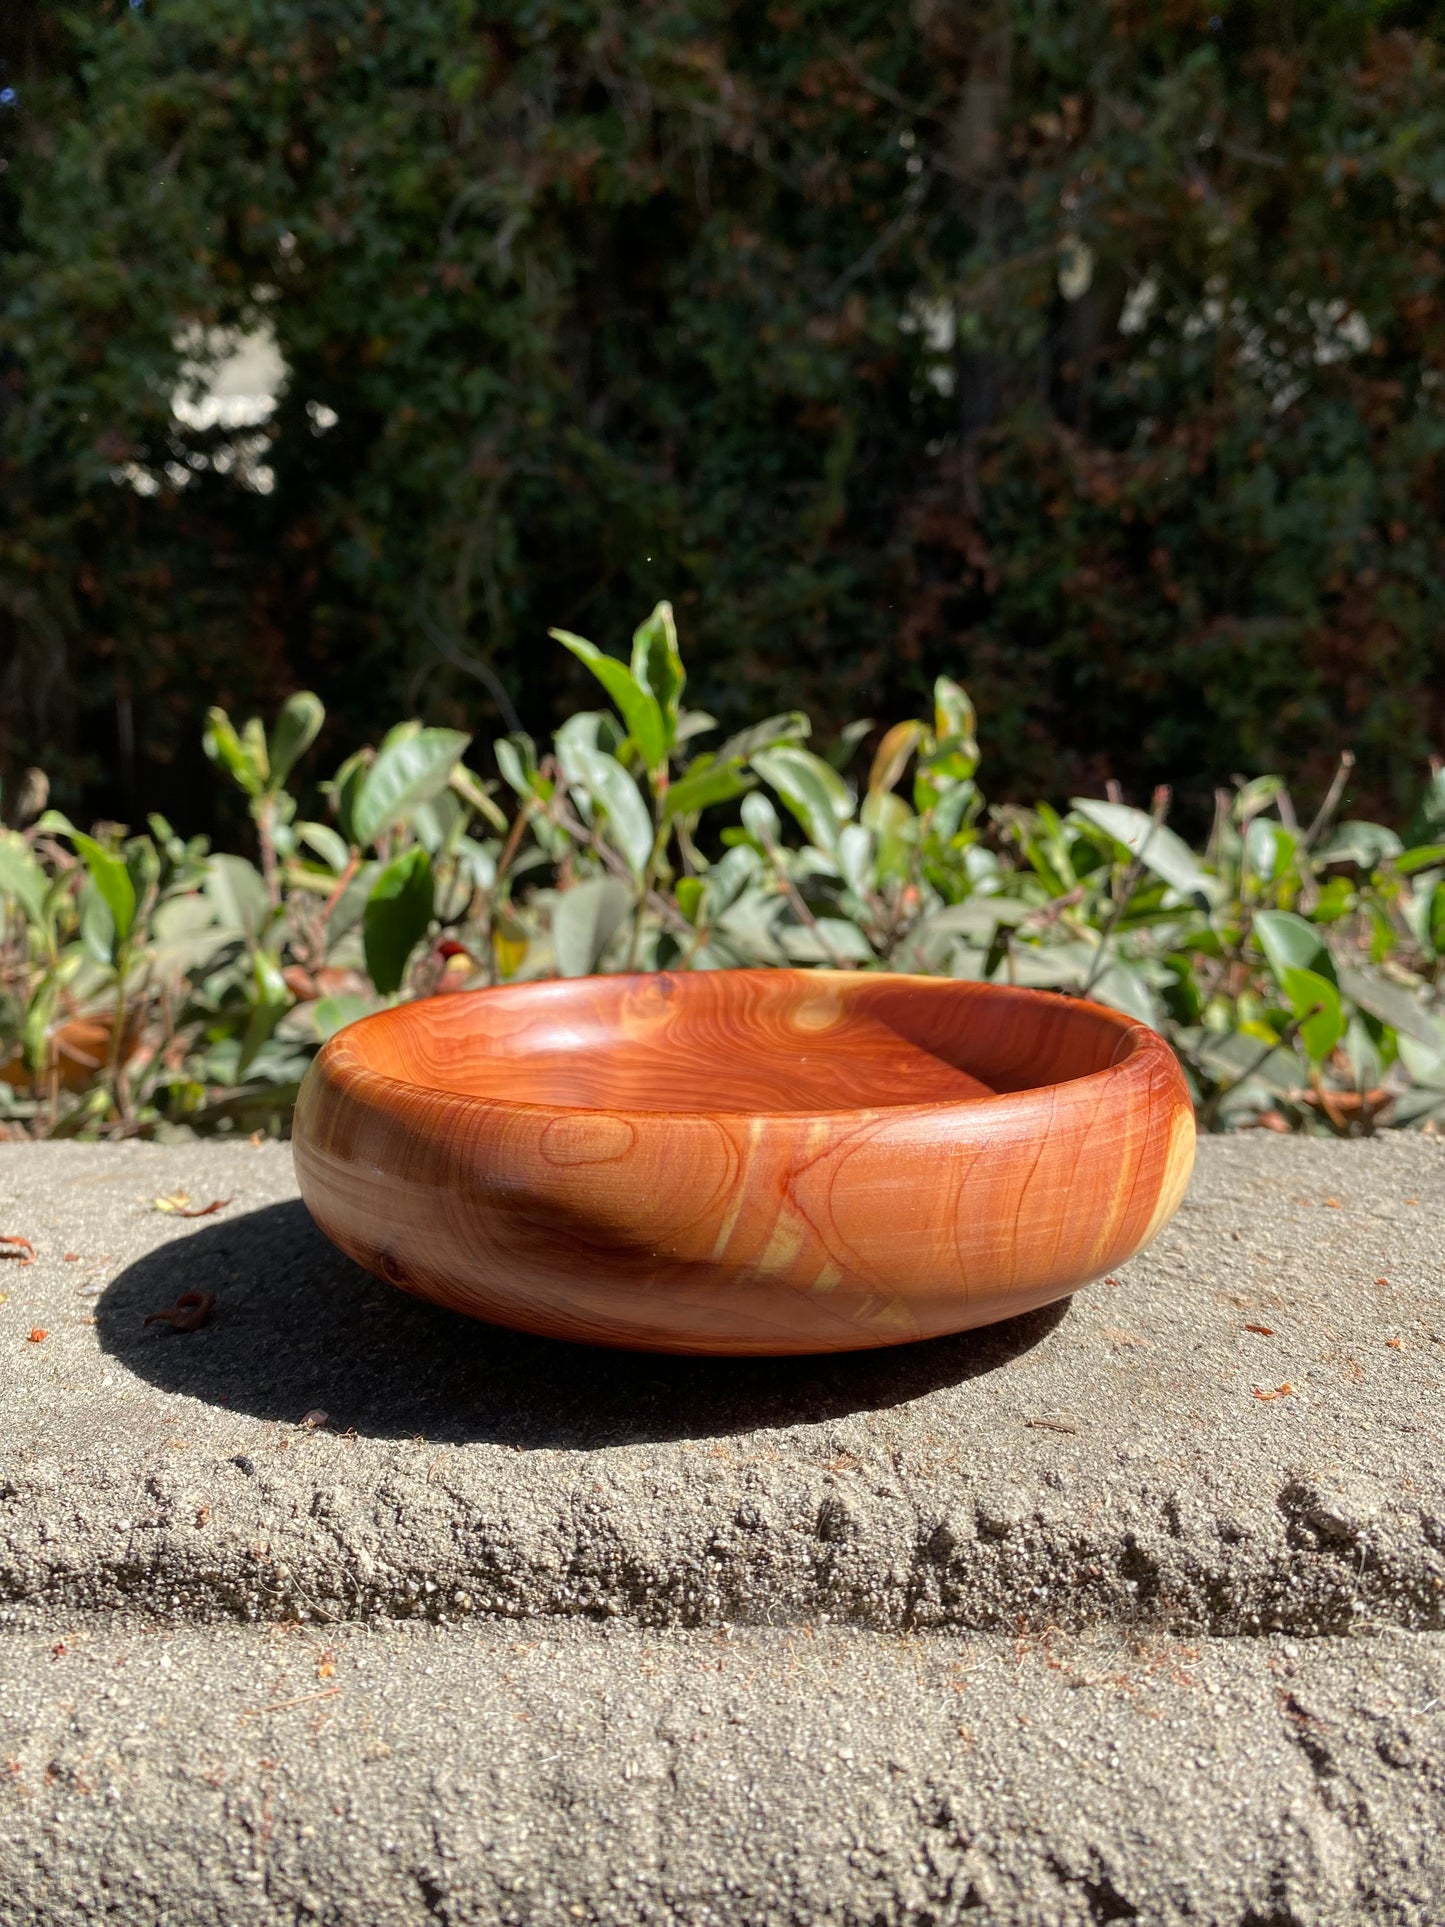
[(477, 862), (510, 944), (953, 713), (1269, 848), (1256, 795), (510, 752), (977, 919), (326, 843), (335, 1013), (704, 784), (690, 723), (143, 866), (1425, 1065), (1394, 1005), (760, 819), (345, 787), (689, 893), (1367, 1066), (97, 925), (269, 1001), (657, 665), (296, 729), (827, 940), (1366, 845), (792, 726), (253, 744), (896, 827), (890, 759), (957, 803), (408, 770), (812, 789), (270, 986), (953, 756), (398, 914), (638, 707), (1289, 943), (238, 894), (1336, 899), (477, 795), (1423, 857), (107, 871), (1156, 845), (730, 876), (1315, 1003), (21, 878), (1430, 816), (237, 758), (585, 919), (586, 730), (613, 791), (855, 858), (841, 750), (1123, 987), (35, 1031), (437, 822)]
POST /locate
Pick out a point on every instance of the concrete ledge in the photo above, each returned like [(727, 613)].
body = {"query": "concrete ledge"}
[(376, 1777), (522, 1633), (1104, 1462)]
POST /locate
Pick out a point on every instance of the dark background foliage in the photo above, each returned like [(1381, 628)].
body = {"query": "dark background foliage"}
[(762, 307)]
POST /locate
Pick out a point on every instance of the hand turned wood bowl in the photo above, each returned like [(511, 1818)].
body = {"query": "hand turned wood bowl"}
[(751, 1161)]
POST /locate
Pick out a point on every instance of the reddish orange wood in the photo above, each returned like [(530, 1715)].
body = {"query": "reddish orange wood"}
[(744, 1161)]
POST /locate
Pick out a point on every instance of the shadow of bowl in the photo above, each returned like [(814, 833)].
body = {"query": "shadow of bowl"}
[(298, 1327)]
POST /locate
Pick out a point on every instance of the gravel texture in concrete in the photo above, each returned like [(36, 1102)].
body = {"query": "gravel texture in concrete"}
[(1240, 1433), (370, 1777)]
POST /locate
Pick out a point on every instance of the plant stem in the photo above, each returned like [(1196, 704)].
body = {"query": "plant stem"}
[(1209, 1110), (117, 1029), (805, 915), (644, 891), (579, 832), (353, 865), (266, 838), (512, 844), (1160, 810), (1331, 802)]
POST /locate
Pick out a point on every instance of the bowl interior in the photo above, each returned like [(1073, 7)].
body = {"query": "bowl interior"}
[(740, 1041)]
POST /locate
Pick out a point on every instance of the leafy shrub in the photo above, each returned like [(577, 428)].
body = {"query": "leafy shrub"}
[(148, 982), (1092, 354)]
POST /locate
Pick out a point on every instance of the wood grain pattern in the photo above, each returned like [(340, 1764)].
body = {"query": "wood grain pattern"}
[(744, 1161)]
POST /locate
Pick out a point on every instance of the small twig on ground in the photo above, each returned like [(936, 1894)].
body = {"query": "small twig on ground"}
[(297, 1699)]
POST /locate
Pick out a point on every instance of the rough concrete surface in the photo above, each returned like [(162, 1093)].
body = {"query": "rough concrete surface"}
[(475, 1775), (703, 1634), (1110, 1459)]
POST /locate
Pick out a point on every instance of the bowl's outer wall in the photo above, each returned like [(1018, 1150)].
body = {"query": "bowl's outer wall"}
[(764, 1233)]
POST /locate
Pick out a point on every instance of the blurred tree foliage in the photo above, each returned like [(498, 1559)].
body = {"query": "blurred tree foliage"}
[(1090, 351)]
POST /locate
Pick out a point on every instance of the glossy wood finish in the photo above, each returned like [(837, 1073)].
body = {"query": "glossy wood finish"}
[(753, 1161)]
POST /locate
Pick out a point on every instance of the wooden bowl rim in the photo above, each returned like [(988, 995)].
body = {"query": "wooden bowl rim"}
[(1139, 1046)]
